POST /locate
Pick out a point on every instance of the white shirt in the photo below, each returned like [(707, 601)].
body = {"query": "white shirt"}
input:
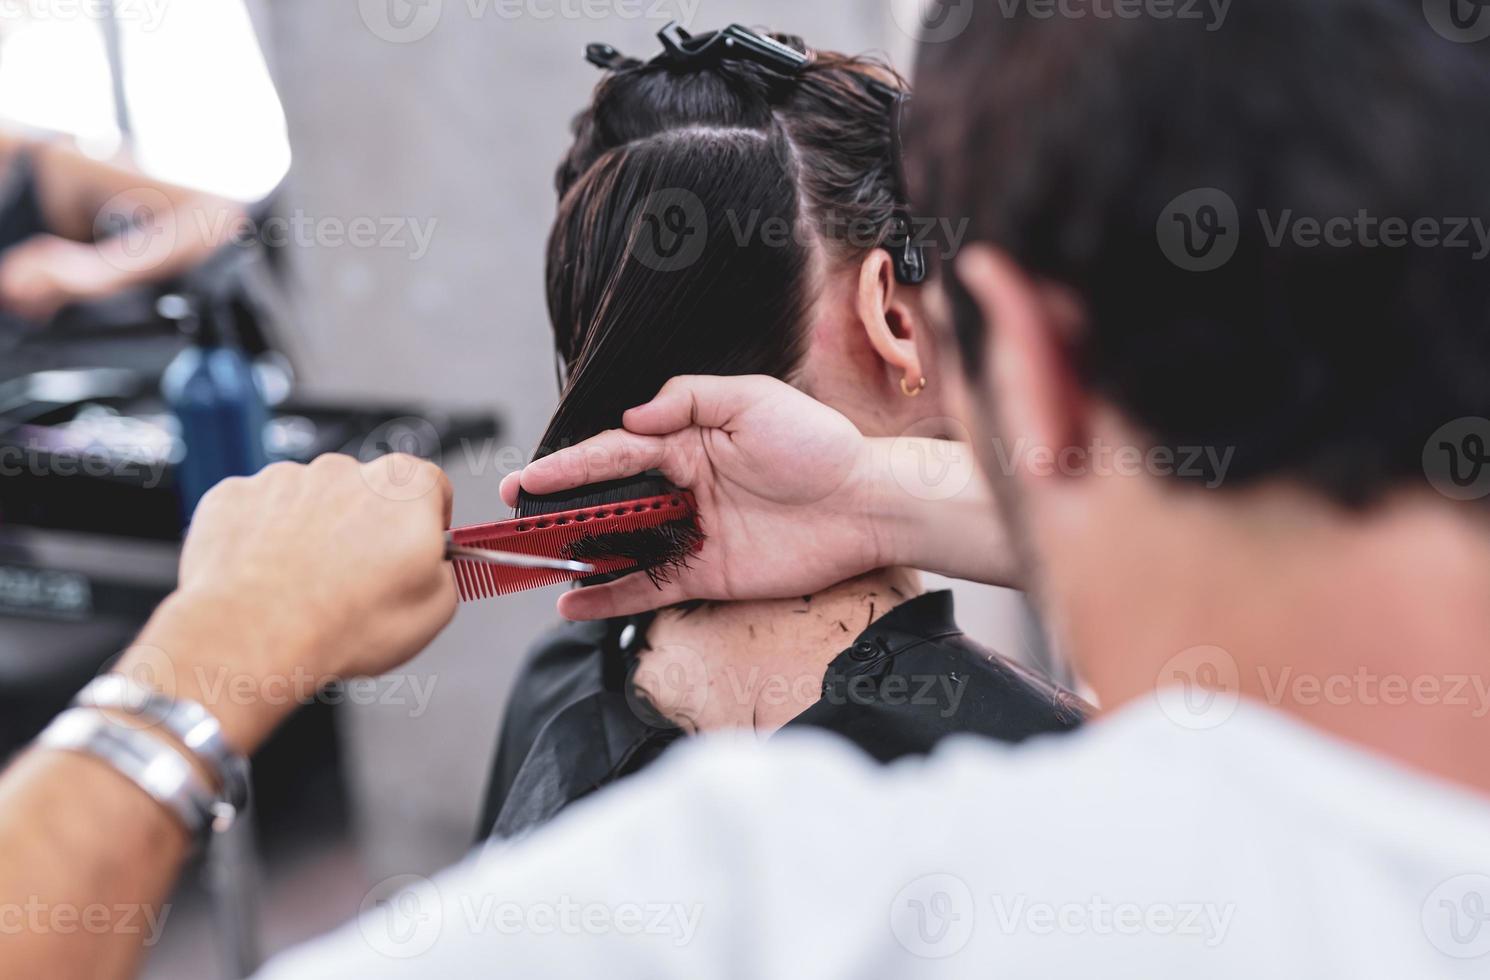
[(1135, 848)]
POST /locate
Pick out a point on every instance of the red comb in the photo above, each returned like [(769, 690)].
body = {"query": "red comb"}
[(554, 536)]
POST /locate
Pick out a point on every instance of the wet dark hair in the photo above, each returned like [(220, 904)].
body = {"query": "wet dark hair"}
[(1064, 142), (691, 205)]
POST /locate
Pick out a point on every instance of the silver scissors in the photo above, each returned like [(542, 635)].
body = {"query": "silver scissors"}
[(512, 559)]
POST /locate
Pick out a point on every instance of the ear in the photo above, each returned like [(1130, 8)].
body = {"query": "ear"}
[(888, 320), (1033, 379)]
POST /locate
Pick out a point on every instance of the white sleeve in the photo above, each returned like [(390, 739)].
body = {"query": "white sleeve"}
[(1136, 849), (703, 866)]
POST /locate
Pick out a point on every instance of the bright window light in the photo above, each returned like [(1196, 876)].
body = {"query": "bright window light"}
[(54, 74), (202, 108)]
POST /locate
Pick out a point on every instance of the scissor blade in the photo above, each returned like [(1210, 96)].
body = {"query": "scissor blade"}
[(512, 559)]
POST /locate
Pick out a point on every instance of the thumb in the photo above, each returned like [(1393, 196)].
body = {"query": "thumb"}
[(510, 486), (624, 597)]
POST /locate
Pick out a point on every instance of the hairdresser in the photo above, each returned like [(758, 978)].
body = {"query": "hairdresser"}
[(1223, 819)]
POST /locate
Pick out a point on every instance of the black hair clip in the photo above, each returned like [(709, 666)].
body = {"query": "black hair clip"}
[(607, 57), (911, 268), (684, 50), (907, 254)]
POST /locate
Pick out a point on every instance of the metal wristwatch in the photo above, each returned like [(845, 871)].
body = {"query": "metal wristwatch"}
[(192, 724), (148, 761)]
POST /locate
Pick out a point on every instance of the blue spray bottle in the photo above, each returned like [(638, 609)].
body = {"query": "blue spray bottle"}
[(211, 389)]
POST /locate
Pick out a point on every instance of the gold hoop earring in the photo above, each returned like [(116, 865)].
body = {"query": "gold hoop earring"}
[(910, 392)]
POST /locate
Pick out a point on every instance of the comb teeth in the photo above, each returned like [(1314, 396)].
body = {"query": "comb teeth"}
[(553, 536)]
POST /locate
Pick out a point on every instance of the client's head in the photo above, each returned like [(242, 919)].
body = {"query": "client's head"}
[(728, 217)]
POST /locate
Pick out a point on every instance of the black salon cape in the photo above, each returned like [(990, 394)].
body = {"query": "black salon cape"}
[(570, 727)]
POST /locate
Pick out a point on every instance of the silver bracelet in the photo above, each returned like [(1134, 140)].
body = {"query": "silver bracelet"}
[(191, 723), (150, 762)]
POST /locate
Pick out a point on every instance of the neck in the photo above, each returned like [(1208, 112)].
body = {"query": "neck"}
[(758, 665), (1373, 626)]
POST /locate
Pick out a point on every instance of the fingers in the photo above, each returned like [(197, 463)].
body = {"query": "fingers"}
[(511, 484), (624, 597), (446, 494), (612, 455), (402, 477), (699, 400)]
